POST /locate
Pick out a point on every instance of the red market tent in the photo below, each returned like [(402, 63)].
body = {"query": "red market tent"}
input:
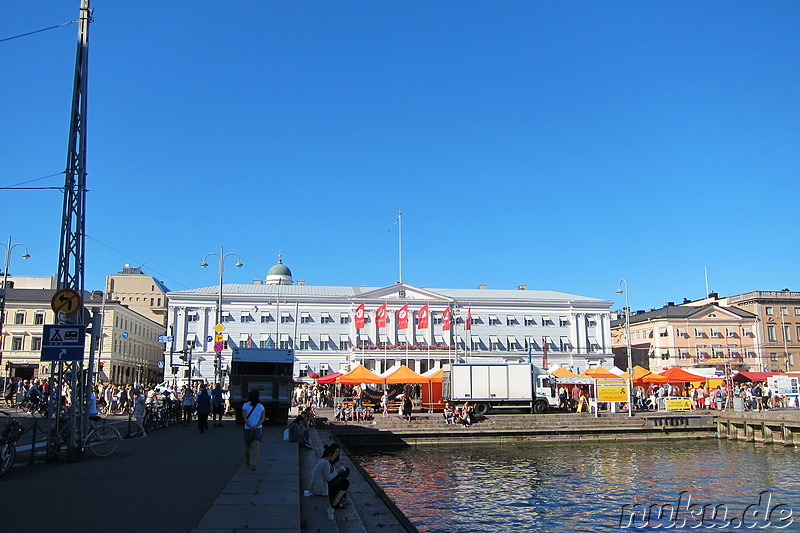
[(330, 378), (360, 374), (679, 375), (433, 392), (742, 377)]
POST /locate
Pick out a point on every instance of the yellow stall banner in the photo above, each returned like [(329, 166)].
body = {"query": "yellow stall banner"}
[(678, 404), (612, 390)]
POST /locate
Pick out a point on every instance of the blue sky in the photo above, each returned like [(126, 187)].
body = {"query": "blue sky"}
[(561, 145)]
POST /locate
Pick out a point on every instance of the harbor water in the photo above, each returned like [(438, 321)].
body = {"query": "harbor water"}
[(699, 485)]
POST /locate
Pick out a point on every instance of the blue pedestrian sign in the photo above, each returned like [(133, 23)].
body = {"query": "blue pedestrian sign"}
[(162, 338), (63, 342)]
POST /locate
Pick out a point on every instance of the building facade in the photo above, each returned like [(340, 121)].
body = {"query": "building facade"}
[(707, 335), (332, 328), (140, 292), (128, 352)]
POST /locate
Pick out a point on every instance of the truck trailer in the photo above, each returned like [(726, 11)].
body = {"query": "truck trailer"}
[(270, 372), (491, 386)]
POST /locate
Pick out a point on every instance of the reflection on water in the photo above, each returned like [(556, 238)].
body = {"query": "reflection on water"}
[(577, 487)]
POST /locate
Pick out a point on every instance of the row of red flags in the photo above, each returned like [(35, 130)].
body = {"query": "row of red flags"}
[(423, 317)]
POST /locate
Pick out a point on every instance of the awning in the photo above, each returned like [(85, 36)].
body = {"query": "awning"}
[(401, 338), (344, 314), (344, 337), (681, 332), (265, 314), (284, 337), (302, 366), (545, 319), (438, 338), (363, 336), (265, 336), (325, 315), (492, 317), (324, 337), (492, 338), (564, 340), (226, 313), (304, 314), (244, 336), (511, 318), (476, 338), (304, 337), (383, 337), (529, 318), (593, 341), (285, 314), (512, 340), (420, 338)]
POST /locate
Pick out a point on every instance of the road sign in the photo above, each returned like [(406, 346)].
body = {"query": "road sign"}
[(63, 343), (124, 335), (161, 364), (219, 328), (612, 390), (162, 339), (218, 346), (209, 338), (217, 338), (66, 301)]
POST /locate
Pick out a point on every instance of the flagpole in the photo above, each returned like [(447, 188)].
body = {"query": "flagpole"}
[(400, 243)]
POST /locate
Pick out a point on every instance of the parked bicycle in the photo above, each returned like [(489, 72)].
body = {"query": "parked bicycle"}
[(11, 433), (100, 440)]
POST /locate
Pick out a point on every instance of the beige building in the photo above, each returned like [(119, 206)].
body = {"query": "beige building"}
[(129, 352), (708, 335), (140, 292)]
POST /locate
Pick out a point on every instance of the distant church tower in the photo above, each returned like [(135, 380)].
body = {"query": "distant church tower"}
[(279, 274)]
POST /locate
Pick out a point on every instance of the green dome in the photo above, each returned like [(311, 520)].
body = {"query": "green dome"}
[(279, 270)]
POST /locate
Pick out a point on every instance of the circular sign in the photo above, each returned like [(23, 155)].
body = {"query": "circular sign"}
[(218, 347), (66, 301), (209, 338)]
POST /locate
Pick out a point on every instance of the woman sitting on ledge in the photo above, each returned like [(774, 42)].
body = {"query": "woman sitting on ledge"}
[(330, 481), (466, 418)]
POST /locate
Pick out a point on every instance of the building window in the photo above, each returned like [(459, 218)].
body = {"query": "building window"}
[(36, 343), (325, 318), (191, 317), (494, 343), (564, 344), (529, 321), (437, 319), (784, 311), (715, 332), (325, 345), (305, 318), (285, 318), (493, 320), (285, 344), (773, 357), (344, 318), (38, 318), (683, 355), (787, 334), (546, 321), (716, 350), (264, 343), (662, 332), (698, 333), (797, 311), (245, 317), (303, 370), (475, 343), (563, 321), (511, 320), (17, 343), (19, 317), (797, 331), (665, 355), (771, 334), (475, 320), (344, 343), (305, 344), (769, 311)]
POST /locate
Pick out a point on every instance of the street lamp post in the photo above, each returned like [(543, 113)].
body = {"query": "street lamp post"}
[(628, 342), (221, 257), (7, 260)]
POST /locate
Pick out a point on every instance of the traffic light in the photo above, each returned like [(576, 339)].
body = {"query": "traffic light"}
[(100, 364), (184, 357), (174, 370)]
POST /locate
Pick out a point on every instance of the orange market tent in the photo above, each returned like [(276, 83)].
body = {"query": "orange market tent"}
[(642, 375), (599, 373), (360, 374), (679, 375), (562, 372), (432, 393), (404, 375), (330, 378)]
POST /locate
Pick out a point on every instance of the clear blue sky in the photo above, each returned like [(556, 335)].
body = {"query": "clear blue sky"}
[(562, 145)]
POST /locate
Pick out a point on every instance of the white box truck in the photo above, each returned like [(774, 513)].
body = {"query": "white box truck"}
[(490, 386)]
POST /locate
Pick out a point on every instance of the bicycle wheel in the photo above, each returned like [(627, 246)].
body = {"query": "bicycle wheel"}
[(103, 441), (102, 410), (7, 455)]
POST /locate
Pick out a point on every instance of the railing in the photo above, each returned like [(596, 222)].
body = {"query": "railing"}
[(753, 295)]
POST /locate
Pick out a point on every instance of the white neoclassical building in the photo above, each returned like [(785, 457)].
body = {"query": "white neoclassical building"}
[(323, 324)]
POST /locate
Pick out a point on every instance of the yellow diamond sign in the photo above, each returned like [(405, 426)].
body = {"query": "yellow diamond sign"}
[(219, 328)]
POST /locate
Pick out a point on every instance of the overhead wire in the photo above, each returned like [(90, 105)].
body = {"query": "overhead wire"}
[(17, 185), (136, 261), (37, 31)]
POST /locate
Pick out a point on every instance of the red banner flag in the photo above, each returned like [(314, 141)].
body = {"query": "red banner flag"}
[(422, 317), (402, 317), (468, 322), (360, 316), (446, 319), (380, 316)]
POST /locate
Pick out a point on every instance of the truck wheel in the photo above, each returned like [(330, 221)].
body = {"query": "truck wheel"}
[(481, 408), (540, 408)]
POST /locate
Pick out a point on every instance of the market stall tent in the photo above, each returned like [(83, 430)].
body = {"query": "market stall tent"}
[(742, 377), (599, 373), (432, 392), (562, 372), (405, 375), (679, 375), (360, 374), (330, 378)]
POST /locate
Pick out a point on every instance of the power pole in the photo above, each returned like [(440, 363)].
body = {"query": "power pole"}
[(71, 251)]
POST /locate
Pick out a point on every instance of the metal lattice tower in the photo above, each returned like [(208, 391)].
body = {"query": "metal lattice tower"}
[(71, 251)]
